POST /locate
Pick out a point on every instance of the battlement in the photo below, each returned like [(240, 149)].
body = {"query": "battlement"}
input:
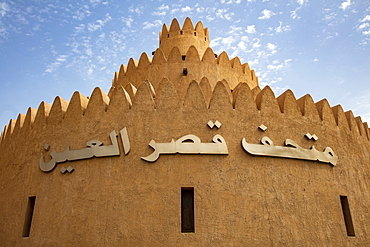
[(182, 69), (184, 38), (198, 97)]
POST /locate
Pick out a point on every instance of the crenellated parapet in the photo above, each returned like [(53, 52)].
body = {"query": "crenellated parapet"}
[(183, 37), (196, 96), (181, 70)]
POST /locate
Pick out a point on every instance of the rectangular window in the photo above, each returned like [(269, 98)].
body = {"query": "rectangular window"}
[(28, 218), (187, 210), (347, 216)]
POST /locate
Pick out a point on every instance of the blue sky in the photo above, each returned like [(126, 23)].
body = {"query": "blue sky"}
[(52, 48)]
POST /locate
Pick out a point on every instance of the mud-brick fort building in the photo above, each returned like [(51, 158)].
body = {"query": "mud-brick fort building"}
[(185, 150)]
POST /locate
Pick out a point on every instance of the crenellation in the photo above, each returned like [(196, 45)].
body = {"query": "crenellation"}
[(144, 100), (167, 99), (10, 128), (121, 75), (266, 102), (181, 87), (175, 26), (120, 102), (366, 130), (20, 122), (77, 106), (97, 105), (175, 56), (352, 123), (206, 89), (360, 126), (111, 90), (243, 99), (42, 114), (29, 120), (220, 100), (308, 108), (192, 56), (188, 26), (58, 110), (288, 104), (131, 73), (131, 91), (325, 112), (194, 99), (3, 133), (340, 118), (255, 91), (209, 57)]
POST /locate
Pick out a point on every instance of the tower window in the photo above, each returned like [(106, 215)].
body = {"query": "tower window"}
[(195, 33), (183, 58), (28, 217), (168, 35), (187, 210), (181, 32), (347, 216)]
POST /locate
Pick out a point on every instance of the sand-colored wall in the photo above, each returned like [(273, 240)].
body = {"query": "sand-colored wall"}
[(240, 199)]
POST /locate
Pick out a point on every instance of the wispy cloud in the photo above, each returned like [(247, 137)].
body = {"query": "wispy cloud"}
[(98, 24), (4, 8), (156, 23)]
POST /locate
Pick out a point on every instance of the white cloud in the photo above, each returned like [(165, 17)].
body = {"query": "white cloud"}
[(271, 46), (138, 10), (282, 28), (231, 1), (159, 13), (163, 7), (251, 29), (301, 2), (186, 9), (345, 4), (4, 7), (364, 25), (228, 40), (222, 13), (54, 66), (256, 44), (293, 13), (366, 18), (128, 21), (242, 45), (148, 24), (98, 24), (266, 14)]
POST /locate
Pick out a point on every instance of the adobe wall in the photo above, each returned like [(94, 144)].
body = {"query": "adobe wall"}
[(239, 198)]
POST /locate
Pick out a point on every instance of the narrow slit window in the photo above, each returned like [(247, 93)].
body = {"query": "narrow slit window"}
[(347, 216), (28, 217), (187, 210)]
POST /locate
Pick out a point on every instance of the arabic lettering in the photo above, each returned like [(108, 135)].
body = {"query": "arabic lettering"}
[(125, 140), (94, 149), (188, 144), (292, 150)]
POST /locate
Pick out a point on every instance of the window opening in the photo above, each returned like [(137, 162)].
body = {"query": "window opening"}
[(187, 210), (347, 216), (28, 217)]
